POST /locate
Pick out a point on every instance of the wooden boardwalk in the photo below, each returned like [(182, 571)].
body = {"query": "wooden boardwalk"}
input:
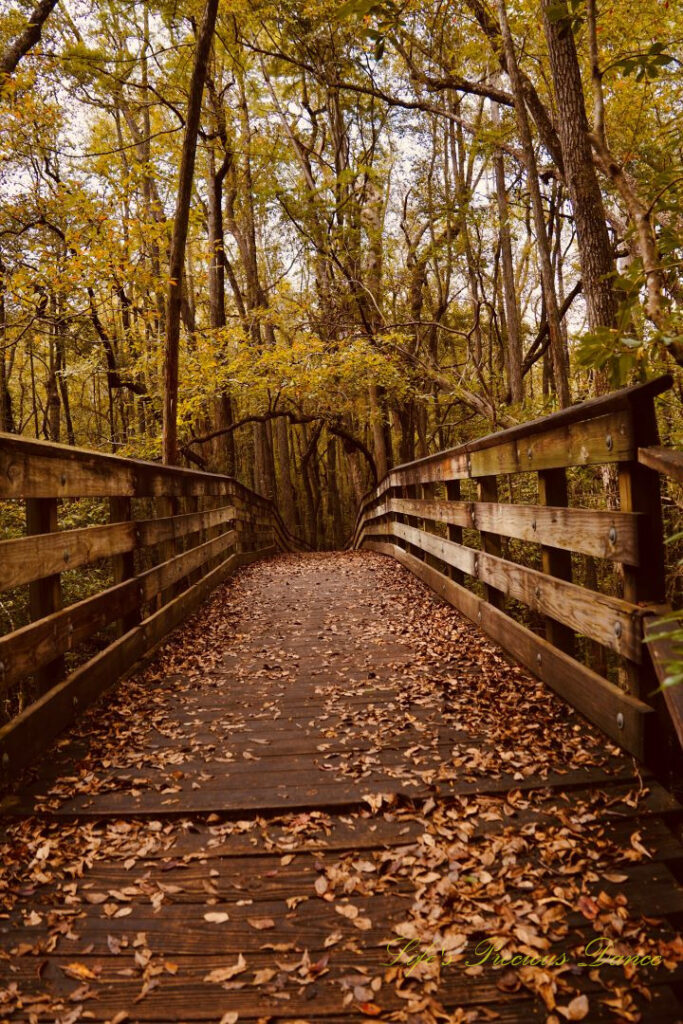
[(326, 764)]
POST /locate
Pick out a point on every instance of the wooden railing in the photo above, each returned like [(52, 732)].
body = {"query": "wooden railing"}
[(478, 551), (172, 536), (663, 631)]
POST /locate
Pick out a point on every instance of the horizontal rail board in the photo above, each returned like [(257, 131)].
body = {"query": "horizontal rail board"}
[(602, 534), (42, 469), (595, 442), (623, 400), (25, 650), (27, 735), (598, 700), (664, 460), (663, 652), (612, 622), (31, 558)]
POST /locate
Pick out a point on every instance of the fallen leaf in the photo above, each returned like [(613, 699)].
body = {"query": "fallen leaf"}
[(221, 974), (347, 910), (79, 971), (263, 976), (576, 1010)]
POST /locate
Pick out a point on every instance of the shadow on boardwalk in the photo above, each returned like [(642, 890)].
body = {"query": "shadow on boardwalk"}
[(325, 765)]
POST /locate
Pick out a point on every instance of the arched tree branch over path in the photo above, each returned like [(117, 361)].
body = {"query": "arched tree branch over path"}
[(333, 428)]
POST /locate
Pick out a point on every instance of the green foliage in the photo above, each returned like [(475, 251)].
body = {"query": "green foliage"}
[(386, 16), (568, 11), (621, 357), (674, 667), (647, 64)]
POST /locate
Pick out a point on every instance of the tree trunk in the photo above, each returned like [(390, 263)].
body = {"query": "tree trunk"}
[(595, 251), (556, 343), (333, 495), (223, 446), (27, 38), (513, 336), (285, 490), (180, 226), (259, 459), (379, 444), (6, 415), (60, 368)]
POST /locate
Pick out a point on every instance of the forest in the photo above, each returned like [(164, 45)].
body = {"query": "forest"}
[(341, 477), (300, 243)]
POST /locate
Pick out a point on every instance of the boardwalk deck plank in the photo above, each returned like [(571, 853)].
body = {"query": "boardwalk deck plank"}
[(246, 763)]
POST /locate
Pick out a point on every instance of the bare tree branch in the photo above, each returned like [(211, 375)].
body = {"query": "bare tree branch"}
[(27, 38)]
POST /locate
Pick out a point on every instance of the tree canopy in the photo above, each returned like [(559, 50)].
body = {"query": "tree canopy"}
[(406, 225)]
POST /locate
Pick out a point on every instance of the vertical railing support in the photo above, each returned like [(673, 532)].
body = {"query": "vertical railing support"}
[(639, 491), (454, 532), (45, 595), (428, 491), (411, 491), (123, 566), (552, 490), (487, 490)]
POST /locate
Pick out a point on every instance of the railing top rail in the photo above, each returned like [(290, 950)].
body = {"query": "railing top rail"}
[(33, 468), (587, 410), (28, 447), (581, 412), (666, 461)]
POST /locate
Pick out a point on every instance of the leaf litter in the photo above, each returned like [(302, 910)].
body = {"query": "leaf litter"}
[(458, 830)]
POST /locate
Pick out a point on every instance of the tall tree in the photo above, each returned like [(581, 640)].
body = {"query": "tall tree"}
[(595, 249), (547, 276), (179, 239)]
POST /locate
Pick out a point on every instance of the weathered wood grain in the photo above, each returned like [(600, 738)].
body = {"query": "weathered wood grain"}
[(666, 461), (619, 715), (45, 595), (600, 533), (27, 735), (453, 462), (664, 651), (609, 620)]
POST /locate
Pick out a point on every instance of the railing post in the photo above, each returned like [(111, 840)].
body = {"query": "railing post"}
[(167, 507), (400, 517), (487, 490), (192, 505), (123, 566), (428, 491), (454, 532), (411, 491), (552, 490), (639, 491), (45, 595)]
